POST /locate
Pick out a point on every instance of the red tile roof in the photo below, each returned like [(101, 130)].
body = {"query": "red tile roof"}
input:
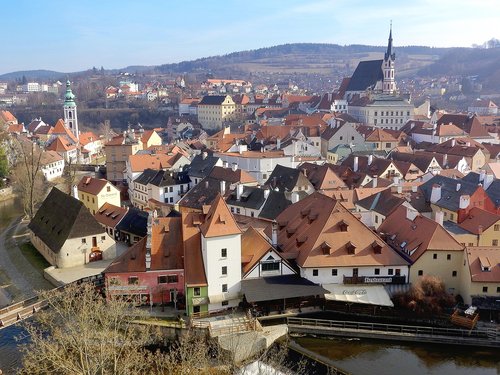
[(110, 215), (480, 257), (219, 220)]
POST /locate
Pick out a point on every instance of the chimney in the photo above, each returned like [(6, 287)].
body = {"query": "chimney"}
[(278, 144), (480, 229), (274, 234), (295, 197), (467, 144), (400, 189), (435, 193), (204, 155), (370, 159), (225, 164), (374, 181), (459, 185), (439, 217), (411, 214), (412, 125), (488, 179), (482, 175), (222, 187), (453, 142), (414, 188), (356, 164), (206, 184), (464, 202), (445, 161), (239, 191), (234, 167), (148, 241), (75, 191), (266, 193), (395, 180)]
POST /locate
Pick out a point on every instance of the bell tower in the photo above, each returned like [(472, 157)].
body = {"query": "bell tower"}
[(70, 114), (389, 83)]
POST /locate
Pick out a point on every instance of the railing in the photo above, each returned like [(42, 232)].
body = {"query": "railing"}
[(480, 334)]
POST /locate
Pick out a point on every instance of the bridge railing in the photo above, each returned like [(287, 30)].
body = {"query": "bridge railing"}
[(490, 334)]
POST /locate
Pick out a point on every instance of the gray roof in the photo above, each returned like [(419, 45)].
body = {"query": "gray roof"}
[(212, 100), (275, 204), (169, 178), (202, 165), (135, 222), (450, 197), (252, 197), (62, 217), (366, 75), (279, 287), (493, 192), (284, 178), (383, 202), (201, 194)]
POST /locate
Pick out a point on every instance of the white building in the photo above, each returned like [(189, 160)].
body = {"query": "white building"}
[(52, 165)]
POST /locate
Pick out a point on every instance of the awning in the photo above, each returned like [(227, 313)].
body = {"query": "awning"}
[(218, 298), (368, 294), (279, 287)]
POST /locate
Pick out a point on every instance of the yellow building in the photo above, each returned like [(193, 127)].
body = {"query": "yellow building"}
[(93, 193), (150, 138), (479, 228), (118, 150), (215, 111), (481, 273), (432, 250)]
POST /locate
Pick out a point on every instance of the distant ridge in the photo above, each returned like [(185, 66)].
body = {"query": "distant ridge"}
[(321, 59)]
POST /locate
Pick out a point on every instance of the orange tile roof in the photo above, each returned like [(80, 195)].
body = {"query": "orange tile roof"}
[(16, 128), (59, 129), (488, 256), (87, 137), (7, 116), (478, 220), (141, 162), (418, 235), (253, 247), (91, 185), (219, 220), (60, 144), (194, 270), (311, 232), (110, 215)]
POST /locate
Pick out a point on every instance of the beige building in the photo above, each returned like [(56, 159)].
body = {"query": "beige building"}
[(479, 228), (383, 111), (481, 273), (432, 250), (150, 138), (118, 150), (66, 233), (215, 111), (94, 192)]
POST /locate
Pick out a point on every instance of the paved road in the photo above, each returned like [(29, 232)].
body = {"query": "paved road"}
[(24, 279)]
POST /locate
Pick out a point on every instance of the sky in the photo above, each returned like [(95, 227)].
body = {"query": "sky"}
[(69, 36)]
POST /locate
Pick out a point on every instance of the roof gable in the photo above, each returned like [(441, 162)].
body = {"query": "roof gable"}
[(219, 220)]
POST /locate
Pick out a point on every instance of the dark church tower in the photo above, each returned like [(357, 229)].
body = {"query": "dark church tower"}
[(389, 84)]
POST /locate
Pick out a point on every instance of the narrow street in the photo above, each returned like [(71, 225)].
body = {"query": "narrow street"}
[(23, 279)]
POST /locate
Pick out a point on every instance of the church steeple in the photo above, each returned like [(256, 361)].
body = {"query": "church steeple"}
[(389, 83), (70, 114)]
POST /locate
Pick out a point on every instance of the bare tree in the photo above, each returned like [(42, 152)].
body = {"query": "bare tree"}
[(81, 333), (105, 130), (70, 174), (28, 176)]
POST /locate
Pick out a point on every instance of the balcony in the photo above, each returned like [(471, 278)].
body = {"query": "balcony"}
[(376, 279)]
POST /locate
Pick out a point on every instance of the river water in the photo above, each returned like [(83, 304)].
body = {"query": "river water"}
[(367, 357)]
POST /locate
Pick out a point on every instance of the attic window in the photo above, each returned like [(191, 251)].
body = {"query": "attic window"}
[(485, 264), (312, 217), (343, 226), (282, 224), (301, 239), (351, 248), (166, 229), (377, 248), (326, 248), (305, 212), (102, 211), (222, 219), (290, 231), (114, 216)]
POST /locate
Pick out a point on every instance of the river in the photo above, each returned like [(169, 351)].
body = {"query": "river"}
[(367, 357)]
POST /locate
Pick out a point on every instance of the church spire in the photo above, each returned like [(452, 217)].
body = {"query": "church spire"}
[(389, 53)]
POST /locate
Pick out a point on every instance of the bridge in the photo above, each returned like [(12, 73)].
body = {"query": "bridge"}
[(475, 337), (19, 311)]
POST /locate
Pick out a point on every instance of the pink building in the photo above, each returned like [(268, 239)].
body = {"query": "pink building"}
[(153, 268)]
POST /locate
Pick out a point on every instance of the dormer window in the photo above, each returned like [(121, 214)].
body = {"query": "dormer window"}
[(485, 264), (326, 248), (351, 248), (377, 248), (343, 225)]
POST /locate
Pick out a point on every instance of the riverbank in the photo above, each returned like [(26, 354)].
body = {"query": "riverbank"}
[(7, 193)]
